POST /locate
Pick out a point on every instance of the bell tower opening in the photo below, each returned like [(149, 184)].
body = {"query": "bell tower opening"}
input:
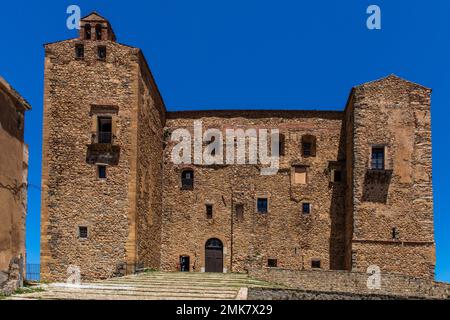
[(96, 28)]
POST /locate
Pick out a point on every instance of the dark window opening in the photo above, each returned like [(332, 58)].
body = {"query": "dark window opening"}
[(19, 121), (83, 232), (79, 51), (337, 176), (377, 158), (211, 140), (209, 211), (87, 32), (395, 234), (306, 208), (104, 130), (315, 264), (101, 52), (309, 146), (98, 32), (272, 263), (262, 204), (187, 179), (282, 145), (102, 172), (239, 209)]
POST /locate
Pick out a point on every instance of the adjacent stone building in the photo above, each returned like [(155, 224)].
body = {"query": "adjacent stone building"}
[(13, 187), (353, 187)]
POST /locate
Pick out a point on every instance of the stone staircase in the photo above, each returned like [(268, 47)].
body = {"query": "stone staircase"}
[(153, 286)]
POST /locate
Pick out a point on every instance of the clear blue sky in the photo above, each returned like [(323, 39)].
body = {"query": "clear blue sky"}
[(250, 54)]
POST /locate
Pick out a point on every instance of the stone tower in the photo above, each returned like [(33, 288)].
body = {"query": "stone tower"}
[(101, 193), (389, 209)]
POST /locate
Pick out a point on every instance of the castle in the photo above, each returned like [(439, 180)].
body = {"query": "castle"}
[(353, 188)]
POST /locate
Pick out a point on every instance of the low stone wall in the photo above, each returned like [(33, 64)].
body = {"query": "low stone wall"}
[(353, 282), (295, 294)]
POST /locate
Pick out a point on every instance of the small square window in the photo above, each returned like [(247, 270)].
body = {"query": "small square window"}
[(82, 232), (79, 51), (101, 52), (306, 208), (209, 211), (315, 264), (272, 263), (262, 204), (102, 172)]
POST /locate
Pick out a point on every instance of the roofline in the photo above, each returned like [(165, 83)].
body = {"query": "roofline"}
[(395, 76), (14, 94), (96, 13), (252, 112)]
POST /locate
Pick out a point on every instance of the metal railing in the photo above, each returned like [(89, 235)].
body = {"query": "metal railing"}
[(33, 272), (104, 137)]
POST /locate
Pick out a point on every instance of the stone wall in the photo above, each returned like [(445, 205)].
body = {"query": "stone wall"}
[(284, 233), (72, 194), (353, 282), (13, 187), (395, 114)]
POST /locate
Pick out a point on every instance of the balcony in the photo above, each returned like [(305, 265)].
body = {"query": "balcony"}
[(102, 150)]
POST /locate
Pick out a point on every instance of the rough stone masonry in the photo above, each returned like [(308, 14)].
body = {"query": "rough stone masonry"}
[(353, 190)]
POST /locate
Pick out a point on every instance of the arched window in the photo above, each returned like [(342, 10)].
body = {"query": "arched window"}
[(187, 179), (308, 145), (87, 32), (98, 32)]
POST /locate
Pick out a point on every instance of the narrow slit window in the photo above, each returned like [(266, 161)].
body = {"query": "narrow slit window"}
[(82, 232), (79, 51), (98, 32), (239, 209), (87, 32), (306, 208), (101, 52), (209, 211), (101, 172), (187, 179), (282, 145)]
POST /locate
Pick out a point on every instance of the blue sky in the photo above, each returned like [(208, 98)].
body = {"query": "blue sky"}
[(249, 54)]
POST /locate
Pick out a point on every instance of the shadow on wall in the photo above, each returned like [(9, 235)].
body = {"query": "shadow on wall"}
[(376, 186), (337, 209)]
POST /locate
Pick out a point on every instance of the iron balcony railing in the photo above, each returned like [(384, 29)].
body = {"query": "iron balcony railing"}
[(104, 137)]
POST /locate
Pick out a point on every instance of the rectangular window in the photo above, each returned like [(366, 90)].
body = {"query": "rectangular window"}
[(337, 175), (282, 145), (101, 172), (307, 149), (82, 232), (262, 204), (79, 51), (209, 211), (315, 264), (239, 209), (377, 158), (306, 208), (104, 130), (300, 175), (101, 52), (272, 263)]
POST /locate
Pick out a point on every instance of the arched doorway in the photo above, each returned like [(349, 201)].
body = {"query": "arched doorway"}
[(214, 255)]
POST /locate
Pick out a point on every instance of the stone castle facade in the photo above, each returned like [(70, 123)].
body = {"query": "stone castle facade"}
[(354, 187)]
